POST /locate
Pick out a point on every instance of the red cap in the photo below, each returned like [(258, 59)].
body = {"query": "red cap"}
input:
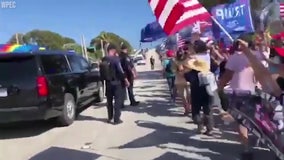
[(280, 51), (170, 53)]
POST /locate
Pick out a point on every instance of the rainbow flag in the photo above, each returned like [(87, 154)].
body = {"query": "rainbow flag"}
[(8, 48)]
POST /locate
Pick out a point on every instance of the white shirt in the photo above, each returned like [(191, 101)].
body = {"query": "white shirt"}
[(205, 57)]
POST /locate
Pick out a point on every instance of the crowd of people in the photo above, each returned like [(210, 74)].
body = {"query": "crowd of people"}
[(200, 71)]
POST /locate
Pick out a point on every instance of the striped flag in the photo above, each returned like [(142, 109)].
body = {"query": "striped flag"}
[(180, 41), (282, 10), (174, 15)]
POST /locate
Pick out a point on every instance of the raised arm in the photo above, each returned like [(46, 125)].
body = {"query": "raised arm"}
[(261, 73)]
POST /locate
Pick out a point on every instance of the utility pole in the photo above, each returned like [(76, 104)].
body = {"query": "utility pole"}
[(17, 38), (85, 48), (103, 48), (82, 47)]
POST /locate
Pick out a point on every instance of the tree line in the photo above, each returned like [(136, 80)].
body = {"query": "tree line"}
[(55, 41)]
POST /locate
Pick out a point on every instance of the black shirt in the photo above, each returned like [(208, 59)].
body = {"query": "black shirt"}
[(127, 65), (199, 93), (116, 66)]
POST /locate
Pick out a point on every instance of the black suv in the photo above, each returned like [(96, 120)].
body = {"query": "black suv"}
[(44, 85)]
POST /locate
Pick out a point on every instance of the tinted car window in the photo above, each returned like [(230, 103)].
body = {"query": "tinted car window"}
[(17, 70), (78, 63), (54, 64), (75, 63), (84, 63)]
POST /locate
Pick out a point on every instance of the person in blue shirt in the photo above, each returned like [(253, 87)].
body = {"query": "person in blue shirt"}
[(169, 73)]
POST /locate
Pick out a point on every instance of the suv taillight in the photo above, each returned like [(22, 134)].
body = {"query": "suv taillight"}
[(42, 88)]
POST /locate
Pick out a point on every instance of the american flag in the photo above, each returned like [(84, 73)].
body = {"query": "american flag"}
[(180, 41), (282, 10), (174, 15)]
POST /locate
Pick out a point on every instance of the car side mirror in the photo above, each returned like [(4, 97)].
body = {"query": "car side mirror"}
[(94, 66)]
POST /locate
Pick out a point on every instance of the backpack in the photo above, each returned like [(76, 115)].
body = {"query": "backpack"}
[(168, 68), (107, 71)]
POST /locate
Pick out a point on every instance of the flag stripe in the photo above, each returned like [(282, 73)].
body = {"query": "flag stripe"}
[(191, 12), (281, 10), (174, 15), (179, 26), (160, 7), (173, 18), (169, 7), (190, 3), (180, 41)]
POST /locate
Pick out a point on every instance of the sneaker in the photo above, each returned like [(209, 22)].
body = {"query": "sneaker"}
[(109, 121), (199, 129), (208, 133), (135, 103)]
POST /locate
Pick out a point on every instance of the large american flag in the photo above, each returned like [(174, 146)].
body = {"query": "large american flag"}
[(180, 41), (282, 10), (174, 15)]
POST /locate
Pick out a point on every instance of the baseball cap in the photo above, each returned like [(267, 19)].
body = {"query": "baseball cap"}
[(170, 53)]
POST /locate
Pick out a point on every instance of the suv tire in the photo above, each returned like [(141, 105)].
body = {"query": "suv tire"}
[(69, 111), (100, 94)]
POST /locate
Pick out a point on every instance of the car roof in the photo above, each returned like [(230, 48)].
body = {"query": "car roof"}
[(39, 53)]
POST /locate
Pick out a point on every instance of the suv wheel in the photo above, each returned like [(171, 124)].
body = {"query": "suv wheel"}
[(69, 111), (100, 93)]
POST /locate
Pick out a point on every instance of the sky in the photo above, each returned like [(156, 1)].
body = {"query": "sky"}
[(72, 18)]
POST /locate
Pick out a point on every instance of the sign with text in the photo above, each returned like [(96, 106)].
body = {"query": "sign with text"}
[(234, 17), (8, 4)]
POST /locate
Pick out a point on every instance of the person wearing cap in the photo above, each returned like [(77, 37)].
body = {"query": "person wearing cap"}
[(130, 72), (168, 73), (115, 84)]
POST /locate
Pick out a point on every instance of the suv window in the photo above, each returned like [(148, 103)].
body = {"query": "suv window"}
[(84, 64), (54, 64), (78, 63), (17, 70)]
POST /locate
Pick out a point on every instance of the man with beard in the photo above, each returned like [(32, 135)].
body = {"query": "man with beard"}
[(130, 72)]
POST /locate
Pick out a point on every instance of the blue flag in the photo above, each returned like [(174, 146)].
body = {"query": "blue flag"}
[(235, 18)]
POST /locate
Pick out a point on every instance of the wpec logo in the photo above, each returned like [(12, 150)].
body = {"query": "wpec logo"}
[(8, 4)]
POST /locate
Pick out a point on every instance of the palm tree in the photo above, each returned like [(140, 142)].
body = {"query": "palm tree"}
[(102, 37)]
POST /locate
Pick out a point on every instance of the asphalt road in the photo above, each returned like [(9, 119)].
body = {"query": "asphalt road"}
[(155, 130)]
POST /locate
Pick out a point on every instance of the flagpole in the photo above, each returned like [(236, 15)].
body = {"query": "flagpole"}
[(222, 28)]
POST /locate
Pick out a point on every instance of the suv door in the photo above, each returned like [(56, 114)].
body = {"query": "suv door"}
[(92, 76), (78, 77)]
